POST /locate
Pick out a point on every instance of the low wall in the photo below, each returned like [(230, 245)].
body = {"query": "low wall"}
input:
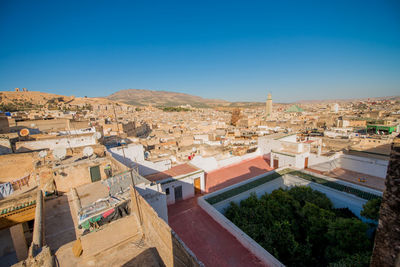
[(110, 236), (170, 247), (56, 142), (210, 163), (314, 159)]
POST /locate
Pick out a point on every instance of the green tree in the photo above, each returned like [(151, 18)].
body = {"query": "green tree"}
[(371, 209), (300, 228), (356, 260), (279, 240), (346, 237), (305, 194), (315, 225)]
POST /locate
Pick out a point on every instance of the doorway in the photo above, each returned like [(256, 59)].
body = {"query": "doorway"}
[(276, 163), (95, 173), (306, 163), (197, 187), (178, 193)]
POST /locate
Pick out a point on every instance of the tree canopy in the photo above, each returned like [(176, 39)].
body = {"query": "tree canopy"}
[(300, 227), (371, 209)]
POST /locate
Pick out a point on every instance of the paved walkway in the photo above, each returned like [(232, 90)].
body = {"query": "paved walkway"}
[(209, 241), (236, 173)]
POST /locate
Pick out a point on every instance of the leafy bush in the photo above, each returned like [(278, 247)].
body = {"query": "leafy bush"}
[(300, 227), (371, 209)]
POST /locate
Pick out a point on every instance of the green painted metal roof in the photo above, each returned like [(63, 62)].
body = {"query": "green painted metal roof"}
[(294, 108)]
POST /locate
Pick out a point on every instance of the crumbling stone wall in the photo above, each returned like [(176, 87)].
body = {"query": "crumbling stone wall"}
[(387, 240)]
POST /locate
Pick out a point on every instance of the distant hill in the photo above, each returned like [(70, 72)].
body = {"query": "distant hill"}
[(141, 97), (10, 100)]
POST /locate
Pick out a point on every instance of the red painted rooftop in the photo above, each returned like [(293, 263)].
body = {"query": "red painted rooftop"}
[(210, 242), (236, 173), (173, 172)]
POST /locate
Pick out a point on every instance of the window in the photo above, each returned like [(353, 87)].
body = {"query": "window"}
[(167, 191)]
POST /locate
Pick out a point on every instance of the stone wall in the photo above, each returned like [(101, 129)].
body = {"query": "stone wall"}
[(387, 240), (46, 125), (171, 249), (5, 146)]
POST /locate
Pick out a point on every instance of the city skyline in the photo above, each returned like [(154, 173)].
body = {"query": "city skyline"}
[(228, 50)]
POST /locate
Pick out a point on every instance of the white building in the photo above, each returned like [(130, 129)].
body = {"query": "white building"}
[(179, 182), (132, 156), (285, 151)]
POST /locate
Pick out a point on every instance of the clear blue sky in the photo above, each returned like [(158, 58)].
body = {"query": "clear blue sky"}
[(234, 50)]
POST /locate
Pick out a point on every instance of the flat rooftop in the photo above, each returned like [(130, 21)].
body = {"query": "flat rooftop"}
[(236, 173), (355, 178), (173, 172)]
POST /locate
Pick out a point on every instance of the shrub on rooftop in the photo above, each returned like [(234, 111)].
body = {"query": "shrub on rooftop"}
[(300, 227)]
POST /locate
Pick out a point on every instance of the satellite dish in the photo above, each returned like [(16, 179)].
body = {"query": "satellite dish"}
[(97, 135), (88, 151), (59, 153), (24, 132), (43, 154)]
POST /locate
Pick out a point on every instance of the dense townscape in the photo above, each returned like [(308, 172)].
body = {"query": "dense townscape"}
[(253, 184)]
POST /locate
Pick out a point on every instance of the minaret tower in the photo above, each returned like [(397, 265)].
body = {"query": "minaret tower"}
[(268, 106)]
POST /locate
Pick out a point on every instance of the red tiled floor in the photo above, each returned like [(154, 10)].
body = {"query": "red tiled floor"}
[(236, 173), (211, 243)]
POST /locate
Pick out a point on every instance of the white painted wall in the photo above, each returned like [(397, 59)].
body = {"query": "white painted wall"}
[(284, 160), (207, 164), (290, 138), (315, 159), (79, 131), (211, 163), (134, 154), (63, 142), (300, 160), (265, 145), (187, 184)]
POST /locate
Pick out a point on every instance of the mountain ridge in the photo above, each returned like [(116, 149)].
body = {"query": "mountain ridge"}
[(144, 97)]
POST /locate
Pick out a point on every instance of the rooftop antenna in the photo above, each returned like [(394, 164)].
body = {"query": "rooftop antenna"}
[(59, 153)]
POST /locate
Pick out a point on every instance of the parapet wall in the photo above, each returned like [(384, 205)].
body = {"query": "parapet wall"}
[(171, 249)]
